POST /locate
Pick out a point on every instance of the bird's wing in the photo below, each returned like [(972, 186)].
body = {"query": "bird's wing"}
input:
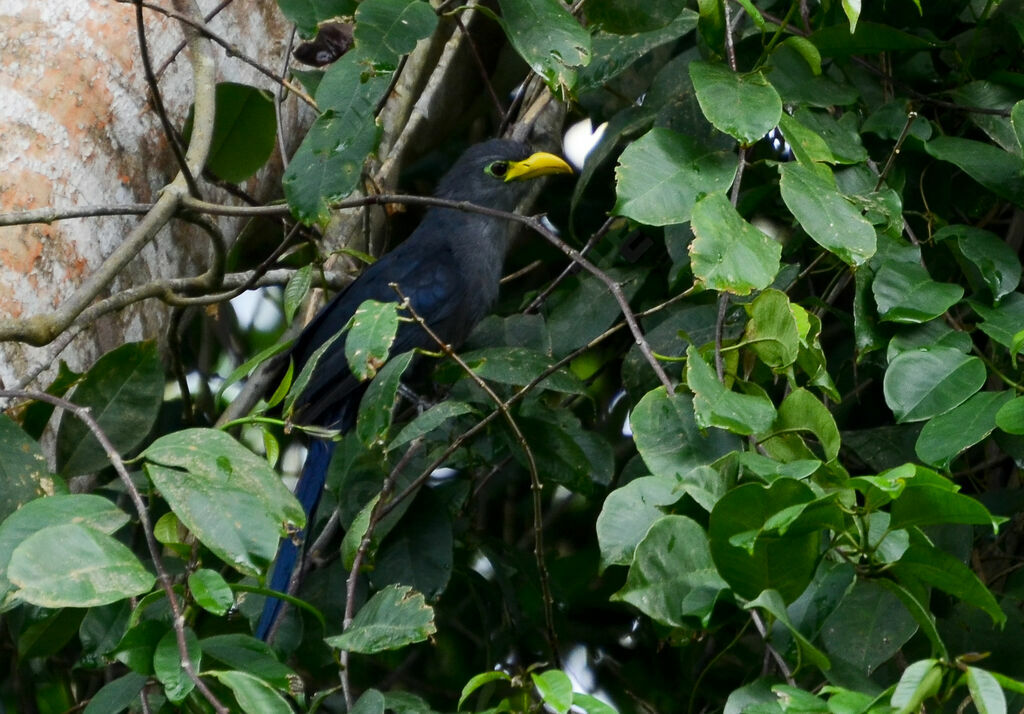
[(426, 274)]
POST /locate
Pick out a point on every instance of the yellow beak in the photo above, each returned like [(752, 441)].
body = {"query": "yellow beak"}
[(539, 164)]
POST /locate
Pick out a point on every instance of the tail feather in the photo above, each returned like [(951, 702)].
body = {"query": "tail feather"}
[(308, 491)]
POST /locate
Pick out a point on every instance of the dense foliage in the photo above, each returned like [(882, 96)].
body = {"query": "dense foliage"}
[(786, 479)]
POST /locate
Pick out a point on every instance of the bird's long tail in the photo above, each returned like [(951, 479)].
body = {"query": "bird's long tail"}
[(308, 491)]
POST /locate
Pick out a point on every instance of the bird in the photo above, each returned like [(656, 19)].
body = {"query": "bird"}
[(449, 268)]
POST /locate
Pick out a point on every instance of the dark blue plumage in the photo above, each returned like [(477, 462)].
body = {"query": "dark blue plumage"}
[(449, 268)]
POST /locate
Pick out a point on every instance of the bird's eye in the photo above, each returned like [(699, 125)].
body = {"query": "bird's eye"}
[(497, 169)]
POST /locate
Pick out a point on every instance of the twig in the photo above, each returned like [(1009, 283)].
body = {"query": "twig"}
[(158, 102), (230, 49), (535, 484), (49, 215), (166, 582), (376, 514), (571, 268)]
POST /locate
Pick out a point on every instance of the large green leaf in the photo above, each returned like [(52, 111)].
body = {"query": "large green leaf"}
[(628, 513), (393, 618), (632, 16), (769, 561), (88, 510), (829, 217), (921, 384), (728, 254), (668, 438), (714, 405), (24, 472), (868, 627), (231, 499), (661, 175), (998, 263), (904, 292), (933, 567), (387, 29), (371, 332), (244, 131), (672, 578), (1000, 172), (548, 38), (73, 565), (123, 391), (720, 90), (949, 434)]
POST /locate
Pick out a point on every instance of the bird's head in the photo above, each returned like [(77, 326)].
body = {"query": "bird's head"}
[(496, 173)]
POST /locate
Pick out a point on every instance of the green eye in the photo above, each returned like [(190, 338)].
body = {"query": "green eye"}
[(497, 169)]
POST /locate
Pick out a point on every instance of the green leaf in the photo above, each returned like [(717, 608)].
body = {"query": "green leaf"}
[(866, 38), (904, 292), (828, 216), (123, 392), (920, 681), (924, 504), (728, 254), (868, 627), (613, 54), (773, 562), (377, 405), (986, 694), (95, 512), (936, 568), (372, 702), (1002, 323), (555, 689), (231, 499), (393, 618), (371, 333), (167, 664), (949, 434), (479, 680), (668, 438), (628, 513), (632, 16), (661, 175), (1009, 418), (244, 131), (772, 331), (720, 90), (308, 13), (925, 383), (72, 565), (296, 290), (117, 695), (548, 38), (997, 262), (211, 591), (715, 405), (672, 578), (1000, 172), (238, 651), (808, 146), (429, 420), (419, 551), (24, 472), (329, 162), (252, 693), (387, 29), (566, 453), (519, 366)]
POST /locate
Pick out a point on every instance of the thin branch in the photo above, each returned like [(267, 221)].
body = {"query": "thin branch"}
[(535, 484), (571, 268), (229, 48), (376, 514), (49, 215), (166, 582), (158, 103)]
